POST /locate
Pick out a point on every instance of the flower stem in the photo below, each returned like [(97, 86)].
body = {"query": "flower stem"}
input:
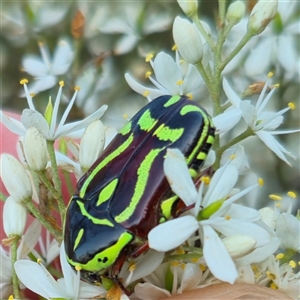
[(15, 281), (56, 181)]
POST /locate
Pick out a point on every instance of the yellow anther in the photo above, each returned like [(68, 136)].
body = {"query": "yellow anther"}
[(276, 86), (232, 156), (149, 57), (190, 96), (275, 197), (146, 93), (174, 263), (132, 267), (39, 261), (291, 105), (279, 256), (260, 181), (181, 61), (41, 44), (11, 297), (32, 95), (77, 88), (299, 262), (202, 267), (61, 83), (278, 205), (292, 264), (125, 116), (182, 266), (270, 275), (205, 180), (179, 251), (270, 74), (273, 286), (179, 82), (227, 218), (148, 74), (254, 268), (23, 81), (78, 268), (292, 194), (174, 48), (194, 260)]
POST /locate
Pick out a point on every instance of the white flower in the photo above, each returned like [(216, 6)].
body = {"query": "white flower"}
[(37, 278), (170, 78), (46, 69), (263, 123), (15, 178), (235, 12), (32, 118), (189, 7), (5, 274), (218, 215)]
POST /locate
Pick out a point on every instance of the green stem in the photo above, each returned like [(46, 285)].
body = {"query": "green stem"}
[(15, 281), (37, 214), (204, 76), (222, 13), (56, 181), (48, 184), (248, 132)]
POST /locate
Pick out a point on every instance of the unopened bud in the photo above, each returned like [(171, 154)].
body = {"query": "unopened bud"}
[(235, 12), (239, 245), (14, 217), (188, 40), (35, 149), (261, 15), (92, 144), (189, 7), (15, 178)]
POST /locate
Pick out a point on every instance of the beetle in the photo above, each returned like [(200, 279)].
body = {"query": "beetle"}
[(125, 193)]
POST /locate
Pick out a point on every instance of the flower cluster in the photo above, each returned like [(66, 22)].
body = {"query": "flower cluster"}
[(222, 227)]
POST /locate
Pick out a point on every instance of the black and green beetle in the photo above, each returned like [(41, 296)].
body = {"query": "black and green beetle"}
[(125, 193)]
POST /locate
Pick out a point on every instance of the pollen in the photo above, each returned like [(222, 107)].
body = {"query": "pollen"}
[(32, 95), (190, 96), (148, 74), (61, 83), (23, 81), (149, 57), (132, 267), (279, 256), (202, 267), (291, 105), (174, 48), (275, 197), (270, 74), (205, 180), (39, 261), (77, 268), (77, 88), (276, 86), (292, 264), (292, 194), (260, 181), (273, 286), (179, 82), (146, 93)]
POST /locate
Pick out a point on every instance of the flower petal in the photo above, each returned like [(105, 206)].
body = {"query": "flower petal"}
[(191, 277), (12, 124), (62, 58), (34, 66)]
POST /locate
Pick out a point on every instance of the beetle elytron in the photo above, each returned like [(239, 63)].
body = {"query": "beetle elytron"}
[(125, 193)]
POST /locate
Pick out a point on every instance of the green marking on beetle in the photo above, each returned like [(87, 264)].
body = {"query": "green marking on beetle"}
[(166, 206), (165, 133), (78, 238), (190, 108), (193, 173), (142, 179), (201, 155), (210, 139), (104, 162), (126, 129), (107, 257), (172, 101), (107, 192), (146, 122), (93, 219)]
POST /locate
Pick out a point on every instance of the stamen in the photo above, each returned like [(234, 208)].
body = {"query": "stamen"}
[(270, 74), (227, 218), (77, 88), (174, 48), (149, 57), (39, 261), (202, 267), (146, 93), (291, 105), (61, 83), (32, 95), (190, 96), (273, 286), (78, 268), (232, 156), (23, 81), (270, 275), (292, 264), (174, 263), (278, 205), (276, 86), (292, 194), (179, 251), (132, 267), (148, 74), (260, 182), (205, 180), (279, 256), (275, 197), (179, 82)]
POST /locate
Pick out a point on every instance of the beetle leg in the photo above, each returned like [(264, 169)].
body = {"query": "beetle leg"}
[(137, 252)]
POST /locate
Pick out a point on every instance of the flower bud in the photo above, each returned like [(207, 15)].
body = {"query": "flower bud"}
[(15, 178), (188, 40), (235, 12), (261, 15), (14, 217), (239, 245), (189, 7), (92, 144), (35, 149)]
